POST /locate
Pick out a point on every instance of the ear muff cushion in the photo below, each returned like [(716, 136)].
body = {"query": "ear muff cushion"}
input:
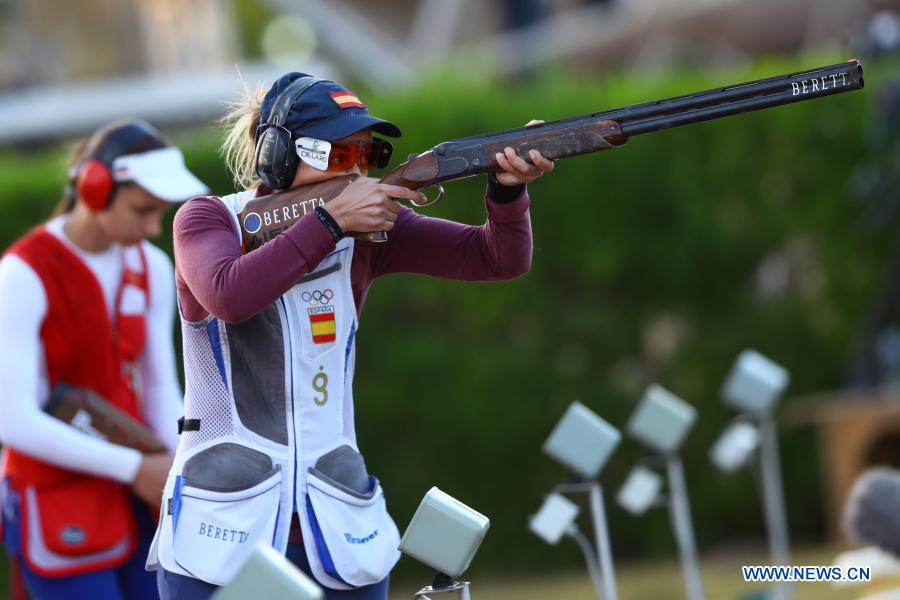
[(276, 161), (382, 155), (94, 184)]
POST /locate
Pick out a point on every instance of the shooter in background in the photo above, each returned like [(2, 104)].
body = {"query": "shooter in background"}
[(86, 301)]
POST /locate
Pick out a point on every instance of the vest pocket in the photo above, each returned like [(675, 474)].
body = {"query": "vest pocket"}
[(84, 515), (216, 529), (355, 538)]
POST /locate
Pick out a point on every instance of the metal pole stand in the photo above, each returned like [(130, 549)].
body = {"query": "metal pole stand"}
[(601, 537), (607, 576), (684, 530), (590, 559), (443, 584), (773, 500)]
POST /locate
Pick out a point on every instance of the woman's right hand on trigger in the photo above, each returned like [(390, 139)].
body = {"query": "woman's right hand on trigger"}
[(366, 205), (151, 477)]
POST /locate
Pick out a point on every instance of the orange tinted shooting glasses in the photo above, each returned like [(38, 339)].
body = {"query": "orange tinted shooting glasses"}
[(344, 155)]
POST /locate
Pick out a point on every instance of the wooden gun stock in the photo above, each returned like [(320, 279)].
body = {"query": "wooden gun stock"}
[(94, 415), (265, 217)]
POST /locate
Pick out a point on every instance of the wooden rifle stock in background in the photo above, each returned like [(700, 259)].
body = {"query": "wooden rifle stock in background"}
[(93, 415), (265, 217)]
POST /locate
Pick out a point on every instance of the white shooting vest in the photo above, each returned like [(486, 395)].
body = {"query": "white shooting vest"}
[(272, 396)]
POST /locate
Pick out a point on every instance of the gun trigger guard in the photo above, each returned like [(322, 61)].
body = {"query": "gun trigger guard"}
[(438, 198)]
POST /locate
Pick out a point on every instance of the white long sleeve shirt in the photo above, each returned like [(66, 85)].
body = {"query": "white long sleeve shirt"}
[(24, 386)]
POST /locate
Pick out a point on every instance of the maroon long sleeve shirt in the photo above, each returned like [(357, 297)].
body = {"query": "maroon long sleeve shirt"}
[(214, 277)]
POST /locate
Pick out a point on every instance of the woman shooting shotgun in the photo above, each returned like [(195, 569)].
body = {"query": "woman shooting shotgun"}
[(268, 450), (265, 217), (271, 288)]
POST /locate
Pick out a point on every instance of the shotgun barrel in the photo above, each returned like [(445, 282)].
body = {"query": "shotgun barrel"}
[(608, 129)]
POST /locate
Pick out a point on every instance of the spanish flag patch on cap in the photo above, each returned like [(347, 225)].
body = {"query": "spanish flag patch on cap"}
[(346, 100)]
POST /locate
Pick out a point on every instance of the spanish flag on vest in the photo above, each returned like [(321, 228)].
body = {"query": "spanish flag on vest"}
[(323, 327)]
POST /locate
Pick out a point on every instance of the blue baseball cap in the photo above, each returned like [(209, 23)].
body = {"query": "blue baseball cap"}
[(326, 111)]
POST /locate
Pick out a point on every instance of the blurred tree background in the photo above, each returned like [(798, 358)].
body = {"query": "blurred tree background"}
[(659, 261)]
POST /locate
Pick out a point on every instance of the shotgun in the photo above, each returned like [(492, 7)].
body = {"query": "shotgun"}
[(93, 415), (266, 216)]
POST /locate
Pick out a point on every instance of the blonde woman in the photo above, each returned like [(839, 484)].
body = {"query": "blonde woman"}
[(268, 450)]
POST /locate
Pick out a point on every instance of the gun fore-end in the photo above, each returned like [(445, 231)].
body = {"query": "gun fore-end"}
[(472, 156), (559, 142)]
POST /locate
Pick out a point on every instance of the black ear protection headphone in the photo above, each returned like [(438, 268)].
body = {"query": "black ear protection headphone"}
[(276, 158), (91, 178)]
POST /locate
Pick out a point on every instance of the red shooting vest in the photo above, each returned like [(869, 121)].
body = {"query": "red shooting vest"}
[(73, 523)]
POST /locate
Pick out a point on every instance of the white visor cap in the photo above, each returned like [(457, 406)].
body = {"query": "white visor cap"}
[(161, 172)]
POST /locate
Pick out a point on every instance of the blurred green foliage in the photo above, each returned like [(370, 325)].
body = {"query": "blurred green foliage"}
[(645, 269), (253, 16)]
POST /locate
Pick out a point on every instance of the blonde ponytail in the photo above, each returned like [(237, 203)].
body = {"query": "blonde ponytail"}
[(67, 202), (239, 147)]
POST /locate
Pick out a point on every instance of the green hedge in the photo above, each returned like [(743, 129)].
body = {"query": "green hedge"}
[(459, 383)]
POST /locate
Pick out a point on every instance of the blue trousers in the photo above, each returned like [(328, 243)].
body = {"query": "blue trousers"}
[(178, 587), (126, 582)]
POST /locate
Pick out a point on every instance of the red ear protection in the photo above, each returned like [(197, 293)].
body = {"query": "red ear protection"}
[(91, 178), (94, 184)]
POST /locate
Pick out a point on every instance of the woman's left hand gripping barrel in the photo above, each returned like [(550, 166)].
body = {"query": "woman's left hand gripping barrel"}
[(516, 170)]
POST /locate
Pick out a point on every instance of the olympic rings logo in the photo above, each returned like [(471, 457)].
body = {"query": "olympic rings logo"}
[(318, 296)]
